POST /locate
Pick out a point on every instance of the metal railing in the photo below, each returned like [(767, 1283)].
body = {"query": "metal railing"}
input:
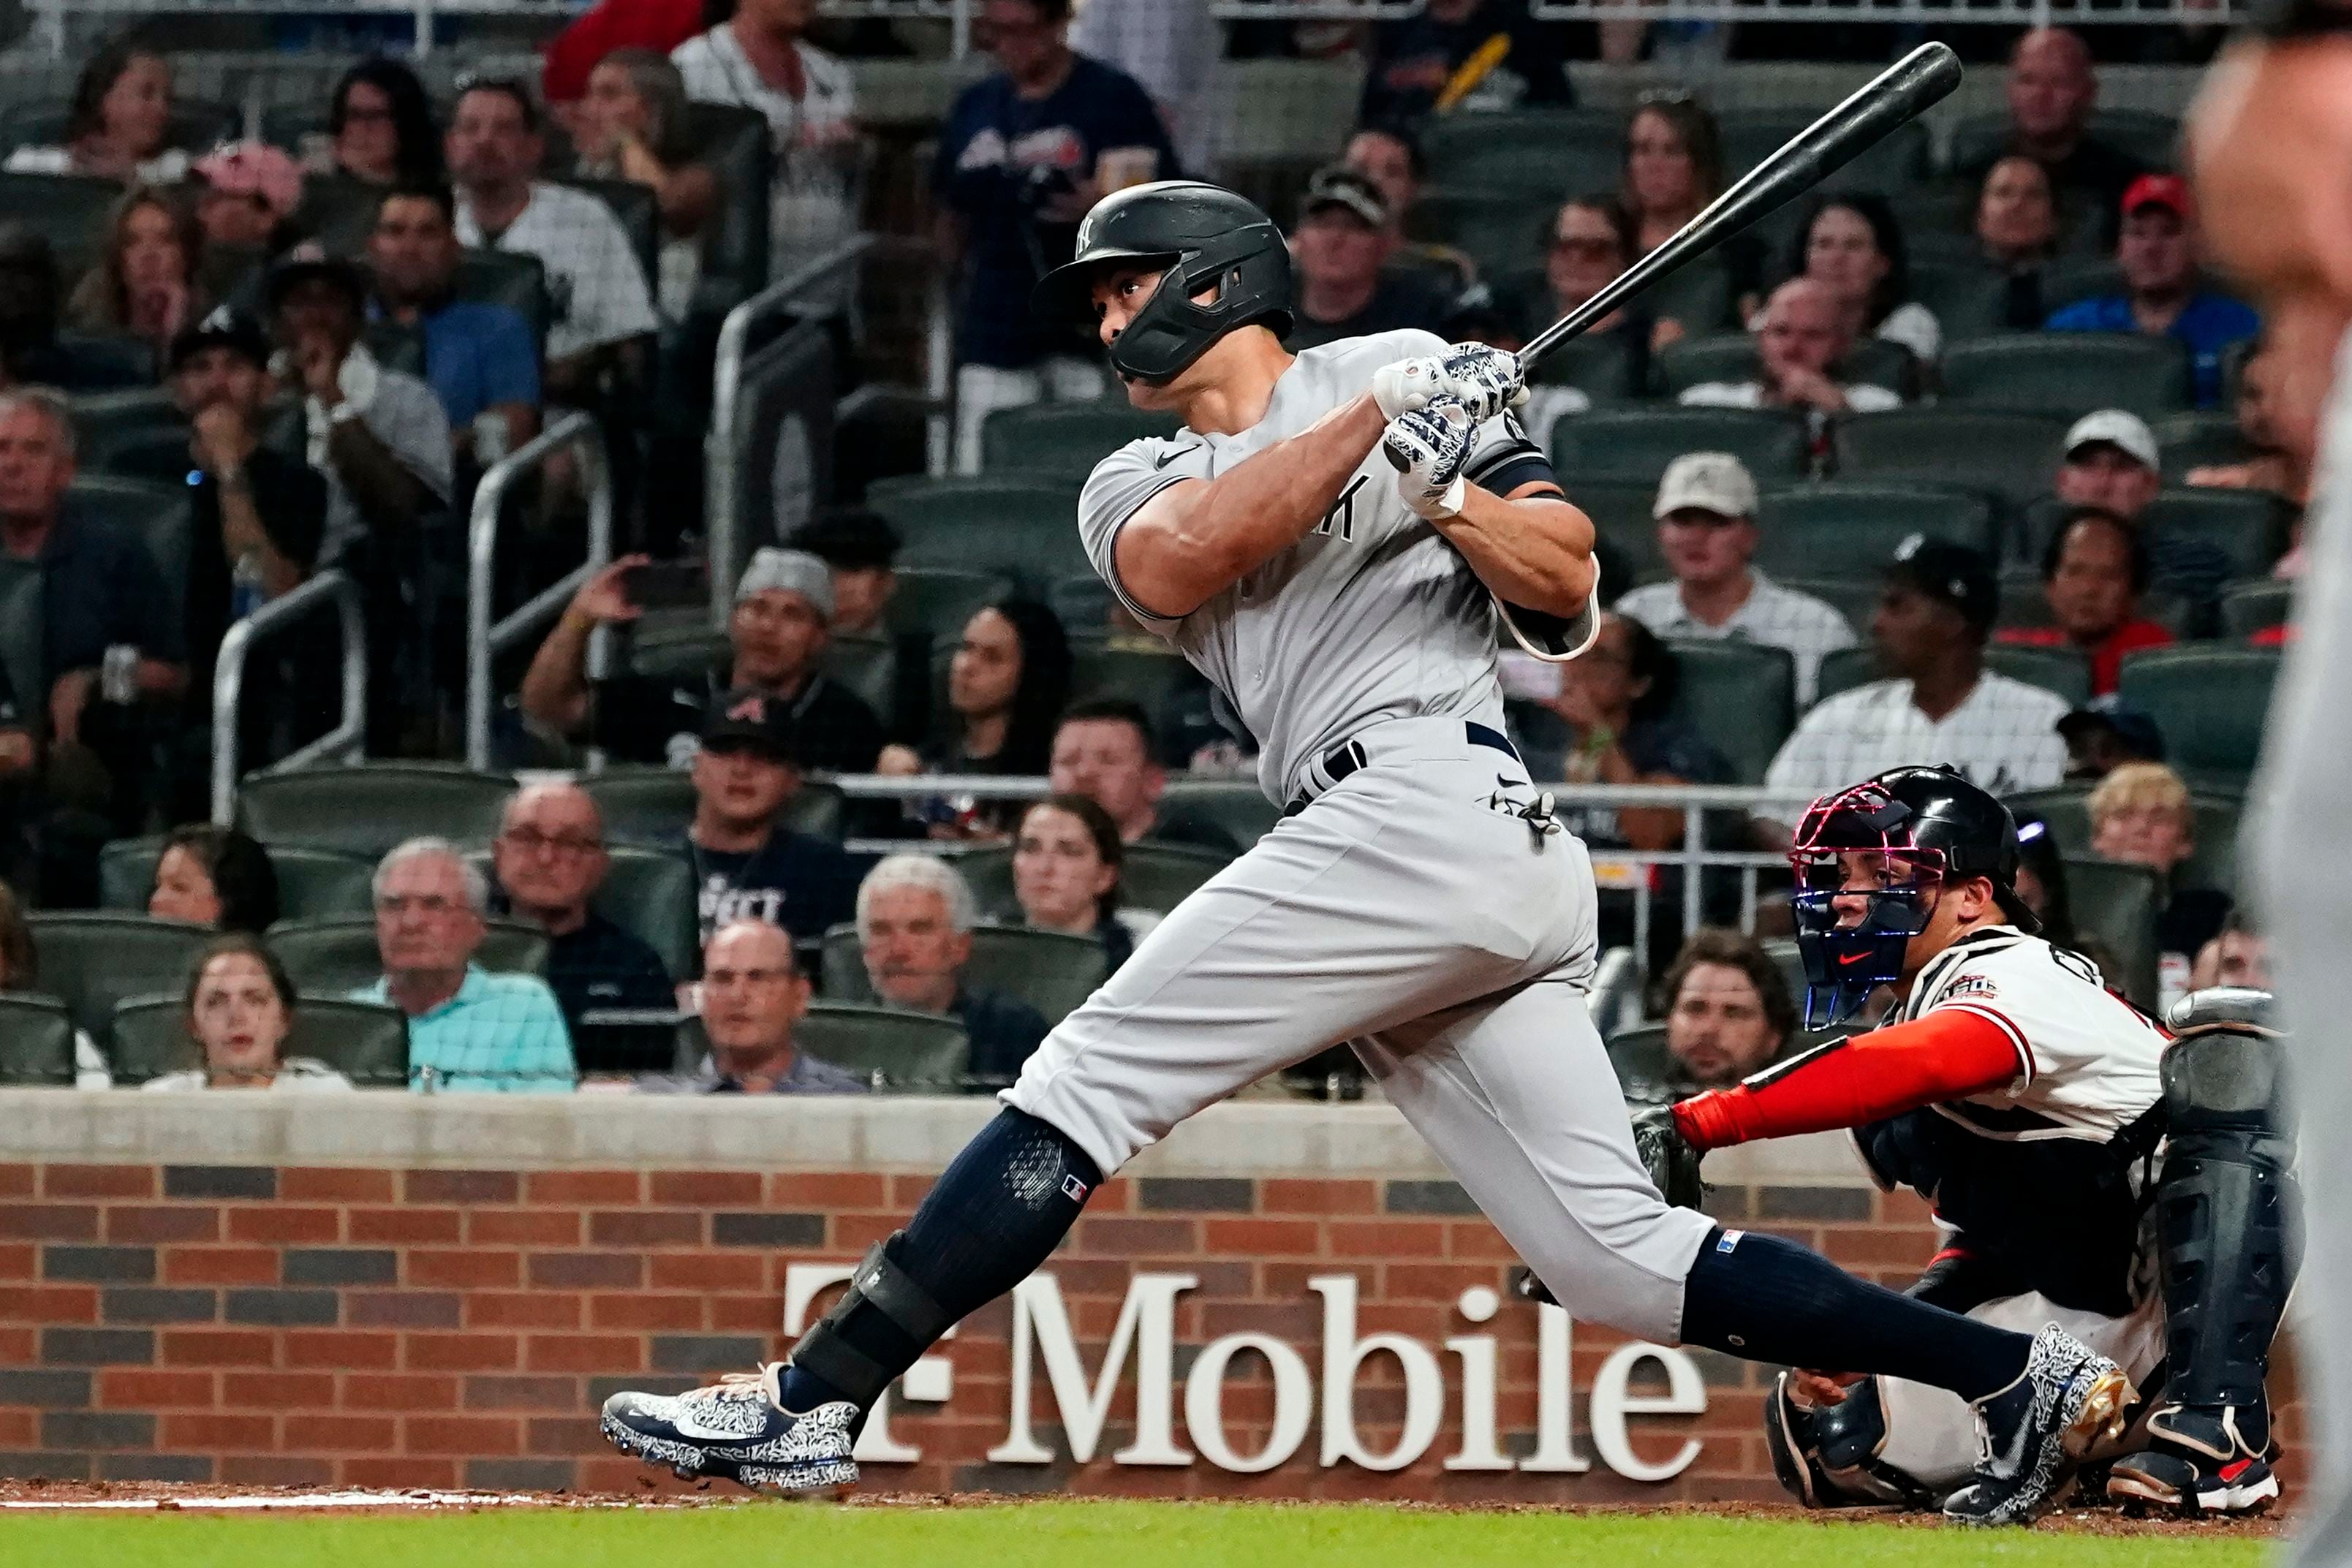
[(485, 638), (723, 486), (332, 589)]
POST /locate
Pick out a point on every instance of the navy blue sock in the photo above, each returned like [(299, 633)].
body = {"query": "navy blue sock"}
[(996, 1213), (1764, 1299)]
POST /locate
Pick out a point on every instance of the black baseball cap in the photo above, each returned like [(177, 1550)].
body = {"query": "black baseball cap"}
[(225, 327), (746, 720), (2134, 730), (1953, 574), (297, 269)]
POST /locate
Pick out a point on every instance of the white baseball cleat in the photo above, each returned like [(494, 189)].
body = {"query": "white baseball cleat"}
[(737, 1429)]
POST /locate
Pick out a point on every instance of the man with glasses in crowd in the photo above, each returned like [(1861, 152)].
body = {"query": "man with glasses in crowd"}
[(550, 860)]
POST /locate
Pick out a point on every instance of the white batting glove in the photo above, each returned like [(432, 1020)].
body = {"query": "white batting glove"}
[(1430, 447), (1485, 381)]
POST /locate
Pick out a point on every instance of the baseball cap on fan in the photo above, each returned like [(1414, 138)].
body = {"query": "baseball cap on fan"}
[(2127, 432), (1337, 185), (1714, 482), (2170, 192), (1949, 573), (747, 720), (790, 571)]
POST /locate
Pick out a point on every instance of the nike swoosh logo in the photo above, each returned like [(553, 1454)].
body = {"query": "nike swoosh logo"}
[(1848, 961), (687, 1426), (1163, 462)]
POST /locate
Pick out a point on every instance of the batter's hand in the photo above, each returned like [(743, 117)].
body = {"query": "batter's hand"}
[(1429, 449), (1668, 1157), (1483, 380)]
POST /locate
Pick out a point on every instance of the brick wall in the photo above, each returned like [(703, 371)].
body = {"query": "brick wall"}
[(433, 1328)]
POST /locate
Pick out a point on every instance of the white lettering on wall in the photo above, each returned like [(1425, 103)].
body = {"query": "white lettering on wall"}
[(1685, 1396), (1344, 1354), (1147, 1325), (1478, 1451), (1205, 1402), (1555, 1451)]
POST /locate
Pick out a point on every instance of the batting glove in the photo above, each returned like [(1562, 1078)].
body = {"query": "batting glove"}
[(1429, 448), (1484, 381)]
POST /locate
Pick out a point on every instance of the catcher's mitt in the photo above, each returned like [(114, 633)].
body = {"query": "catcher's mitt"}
[(1672, 1163)]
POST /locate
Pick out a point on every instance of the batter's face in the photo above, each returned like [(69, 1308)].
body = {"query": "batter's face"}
[(1703, 548), (1120, 292), (1717, 1026)]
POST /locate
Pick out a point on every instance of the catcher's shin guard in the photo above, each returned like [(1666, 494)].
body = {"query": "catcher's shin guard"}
[(1827, 1456)]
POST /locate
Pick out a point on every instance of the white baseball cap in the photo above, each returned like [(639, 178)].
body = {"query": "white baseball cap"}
[(1707, 482), (2126, 432), (790, 571)]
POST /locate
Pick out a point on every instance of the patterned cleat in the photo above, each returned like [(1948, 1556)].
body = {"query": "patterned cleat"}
[(2030, 1434), (2199, 1461), (737, 1429)]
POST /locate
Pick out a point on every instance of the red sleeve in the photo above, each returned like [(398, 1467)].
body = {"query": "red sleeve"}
[(1951, 1053)]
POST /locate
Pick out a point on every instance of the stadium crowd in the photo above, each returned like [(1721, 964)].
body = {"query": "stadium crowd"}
[(1964, 461)]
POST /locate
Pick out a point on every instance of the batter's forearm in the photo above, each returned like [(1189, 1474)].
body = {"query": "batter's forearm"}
[(1533, 550)]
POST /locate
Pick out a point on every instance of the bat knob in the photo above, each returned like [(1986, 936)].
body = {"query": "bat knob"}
[(1397, 458)]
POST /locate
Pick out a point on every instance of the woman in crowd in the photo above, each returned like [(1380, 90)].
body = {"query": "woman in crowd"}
[(214, 876), (632, 126), (239, 1011), (1591, 241), (379, 125), (1728, 1009), (1674, 167), (1852, 246), (1065, 863), (118, 125), (148, 281), (20, 970), (2017, 229), (1006, 686)]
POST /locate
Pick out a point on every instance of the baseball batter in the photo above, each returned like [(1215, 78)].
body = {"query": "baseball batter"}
[(1333, 539)]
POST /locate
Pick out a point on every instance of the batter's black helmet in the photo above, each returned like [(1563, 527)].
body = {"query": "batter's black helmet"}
[(1204, 237)]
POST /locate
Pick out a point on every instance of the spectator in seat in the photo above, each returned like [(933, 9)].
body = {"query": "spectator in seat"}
[(1804, 332), (468, 1028), (1728, 1009), (148, 282), (1171, 48), (1940, 705), (2093, 574), (1102, 750), (2041, 880), (747, 864), (1591, 243), (118, 125), (1465, 55), (660, 26), (239, 1007), (479, 357), (1066, 854), (2017, 229), (1706, 532), (753, 997), (602, 303), (2240, 956), (2284, 444), (2157, 255), (2110, 463), (1342, 239), (2051, 90), (632, 126), (247, 192), (1389, 154), (861, 550), (2104, 735), (2142, 814), (1023, 153), (1852, 244), (379, 126), (914, 928), (1007, 682), (550, 861), (214, 876), (760, 59), (1673, 168), (776, 640)]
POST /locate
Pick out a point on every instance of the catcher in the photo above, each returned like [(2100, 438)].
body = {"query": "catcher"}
[(2049, 1121)]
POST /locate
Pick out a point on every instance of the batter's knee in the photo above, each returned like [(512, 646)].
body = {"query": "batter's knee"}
[(1623, 1269)]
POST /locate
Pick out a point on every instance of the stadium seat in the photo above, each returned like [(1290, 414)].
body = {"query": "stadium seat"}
[(1149, 675), (1638, 444), (336, 957), (1850, 528), (896, 1049), (103, 419), (194, 127), (2069, 373), (512, 279), (2060, 670), (2208, 704), (1082, 603), (1846, 669), (91, 961), (868, 666), (2116, 906), (2250, 526), (1752, 135), (675, 654), (2067, 811), (366, 809), (635, 208), (156, 514), (1699, 294), (69, 210), (312, 883), (340, 212), (2073, 278), (366, 1042), (653, 806), (2012, 455), (1236, 805), (2196, 439), (1855, 598), (1528, 153), (1600, 365), (1731, 357), (1968, 298), (36, 1042), (1502, 230), (1063, 440), (1024, 529), (1152, 876), (650, 895), (937, 600), (1645, 1069), (1050, 970), (2152, 140), (2251, 607), (1619, 511), (1741, 696)]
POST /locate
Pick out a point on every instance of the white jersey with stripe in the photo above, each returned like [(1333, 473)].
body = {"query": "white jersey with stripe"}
[(1373, 615), (2086, 1058)]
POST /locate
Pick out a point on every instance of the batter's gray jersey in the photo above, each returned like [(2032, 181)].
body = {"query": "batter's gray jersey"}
[(1374, 615)]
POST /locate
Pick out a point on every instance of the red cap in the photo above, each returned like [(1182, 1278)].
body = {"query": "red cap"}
[(2170, 192)]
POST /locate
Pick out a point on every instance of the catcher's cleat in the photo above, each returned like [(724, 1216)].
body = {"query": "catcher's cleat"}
[(736, 1429), (2030, 1434), (2198, 1461)]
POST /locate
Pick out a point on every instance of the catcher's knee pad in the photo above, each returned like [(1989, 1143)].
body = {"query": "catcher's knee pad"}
[(1827, 1456)]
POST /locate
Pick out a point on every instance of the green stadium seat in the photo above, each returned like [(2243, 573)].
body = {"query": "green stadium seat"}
[(103, 421), (69, 210), (1619, 511), (907, 1052), (2117, 906), (1152, 676), (1023, 528), (675, 654), (513, 278), (1969, 299), (2011, 454), (1850, 528), (866, 665), (1063, 440), (1752, 135), (737, 146), (2152, 138), (1731, 357), (1638, 444), (1741, 696), (1152, 876), (155, 514), (2059, 670), (1502, 230), (652, 806), (1598, 364), (92, 961), (935, 601), (312, 883), (2250, 526), (1527, 153), (37, 1042), (1236, 805), (1645, 1068), (649, 894), (1050, 970), (335, 957), (1846, 669), (1698, 293), (2196, 440), (2209, 703), (2069, 373), (366, 1042), (2070, 280), (2251, 607), (369, 808), (1855, 598)]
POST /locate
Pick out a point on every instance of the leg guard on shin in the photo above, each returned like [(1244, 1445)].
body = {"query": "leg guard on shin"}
[(830, 1349), (1827, 1456)]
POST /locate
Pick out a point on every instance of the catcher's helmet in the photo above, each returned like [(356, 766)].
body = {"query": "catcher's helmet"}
[(1204, 236), (1935, 827)]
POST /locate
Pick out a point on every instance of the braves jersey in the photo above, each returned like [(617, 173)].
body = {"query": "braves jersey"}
[(2086, 1060), (1373, 615)]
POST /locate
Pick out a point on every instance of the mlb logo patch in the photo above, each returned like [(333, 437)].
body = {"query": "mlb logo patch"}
[(1073, 1189)]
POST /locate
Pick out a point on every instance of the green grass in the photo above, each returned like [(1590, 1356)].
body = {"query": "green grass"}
[(1066, 1535)]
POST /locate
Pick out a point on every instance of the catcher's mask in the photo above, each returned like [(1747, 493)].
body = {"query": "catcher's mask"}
[(1851, 954)]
